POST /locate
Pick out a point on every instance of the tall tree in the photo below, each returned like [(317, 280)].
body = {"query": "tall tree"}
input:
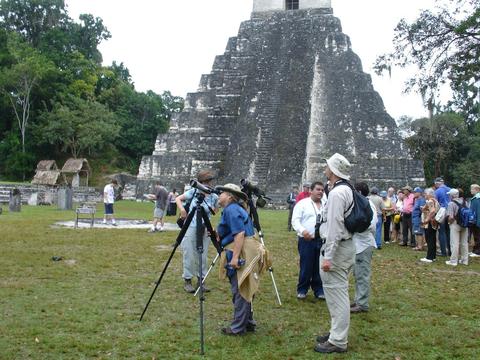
[(79, 126), (19, 80), (444, 44)]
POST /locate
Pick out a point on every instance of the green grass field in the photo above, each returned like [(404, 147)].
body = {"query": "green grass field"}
[(88, 305)]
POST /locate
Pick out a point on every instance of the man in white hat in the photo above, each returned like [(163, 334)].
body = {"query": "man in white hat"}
[(338, 257)]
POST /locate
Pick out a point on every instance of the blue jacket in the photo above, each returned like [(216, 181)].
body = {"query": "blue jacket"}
[(417, 212), (475, 205)]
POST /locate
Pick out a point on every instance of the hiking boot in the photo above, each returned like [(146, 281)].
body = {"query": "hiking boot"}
[(188, 287), (357, 309), (205, 288), (327, 347), (322, 338)]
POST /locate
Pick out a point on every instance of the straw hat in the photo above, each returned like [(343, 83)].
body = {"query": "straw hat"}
[(233, 189)]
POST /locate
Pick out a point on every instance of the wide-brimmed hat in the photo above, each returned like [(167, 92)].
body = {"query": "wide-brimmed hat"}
[(408, 188), (233, 189), (339, 165)]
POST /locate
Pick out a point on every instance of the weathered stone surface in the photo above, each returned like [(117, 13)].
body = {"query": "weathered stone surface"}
[(288, 92)]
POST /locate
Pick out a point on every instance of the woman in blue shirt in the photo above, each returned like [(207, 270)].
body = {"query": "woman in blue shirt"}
[(235, 232)]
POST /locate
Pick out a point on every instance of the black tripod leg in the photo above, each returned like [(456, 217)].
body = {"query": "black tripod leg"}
[(177, 242)]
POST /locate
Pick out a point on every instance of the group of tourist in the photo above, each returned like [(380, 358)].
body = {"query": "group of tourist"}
[(412, 217), (426, 217)]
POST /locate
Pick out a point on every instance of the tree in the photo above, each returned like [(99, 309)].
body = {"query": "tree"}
[(18, 80), (439, 142), (445, 46), (79, 126)]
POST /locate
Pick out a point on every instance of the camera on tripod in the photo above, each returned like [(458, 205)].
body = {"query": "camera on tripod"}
[(251, 189), (206, 189)]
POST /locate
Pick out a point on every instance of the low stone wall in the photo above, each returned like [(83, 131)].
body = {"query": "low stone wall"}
[(46, 195)]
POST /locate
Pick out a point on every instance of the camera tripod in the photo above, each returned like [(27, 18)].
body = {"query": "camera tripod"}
[(249, 189), (200, 214)]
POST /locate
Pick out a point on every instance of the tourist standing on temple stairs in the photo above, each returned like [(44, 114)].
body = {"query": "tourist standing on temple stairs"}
[(408, 203), (189, 243), (307, 217), (475, 206), (379, 206), (291, 204), (161, 201), (364, 246), (458, 234), (417, 228), (305, 193), (441, 191), (388, 209), (337, 256), (108, 201), (430, 225)]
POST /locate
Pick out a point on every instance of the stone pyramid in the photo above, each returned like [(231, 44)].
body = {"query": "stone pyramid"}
[(288, 92)]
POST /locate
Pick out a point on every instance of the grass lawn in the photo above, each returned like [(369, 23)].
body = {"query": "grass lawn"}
[(88, 307)]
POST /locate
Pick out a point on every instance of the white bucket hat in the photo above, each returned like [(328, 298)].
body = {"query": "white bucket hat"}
[(339, 165)]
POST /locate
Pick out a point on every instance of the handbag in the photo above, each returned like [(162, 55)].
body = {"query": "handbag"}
[(440, 216)]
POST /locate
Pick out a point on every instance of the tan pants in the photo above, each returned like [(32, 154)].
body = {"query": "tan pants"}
[(459, 243), (335, 287)]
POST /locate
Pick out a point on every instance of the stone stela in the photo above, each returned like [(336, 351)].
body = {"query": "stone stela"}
[(287, 92)]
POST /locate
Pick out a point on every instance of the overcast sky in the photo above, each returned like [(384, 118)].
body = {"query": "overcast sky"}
[(168, 45)]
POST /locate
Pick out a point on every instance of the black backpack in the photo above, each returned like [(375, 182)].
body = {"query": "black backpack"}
[(361, 215)]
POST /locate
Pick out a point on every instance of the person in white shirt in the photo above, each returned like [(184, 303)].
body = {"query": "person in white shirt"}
[(108, 200), (362, 270), (306, 219)]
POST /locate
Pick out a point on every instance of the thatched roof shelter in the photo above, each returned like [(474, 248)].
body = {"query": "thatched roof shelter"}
[(75, 170), (46, 165), (48, 174)]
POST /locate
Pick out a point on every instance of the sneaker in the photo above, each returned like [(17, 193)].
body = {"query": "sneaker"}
[(151, 231), (461, 262), (188, 287), (451, 263), (322, 338), (320, 296), (301, 296), (328, 348), (425, 260), (473, 255), (114, 224)]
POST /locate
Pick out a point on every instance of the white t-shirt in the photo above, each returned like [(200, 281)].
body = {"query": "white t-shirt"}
[(108, 194)]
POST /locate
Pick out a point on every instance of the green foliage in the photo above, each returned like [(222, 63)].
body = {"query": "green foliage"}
[(447, 146), (17, 165), (78, 126), (52, 82)]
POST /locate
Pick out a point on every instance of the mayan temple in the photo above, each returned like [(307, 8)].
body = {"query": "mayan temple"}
[(288, 92)]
